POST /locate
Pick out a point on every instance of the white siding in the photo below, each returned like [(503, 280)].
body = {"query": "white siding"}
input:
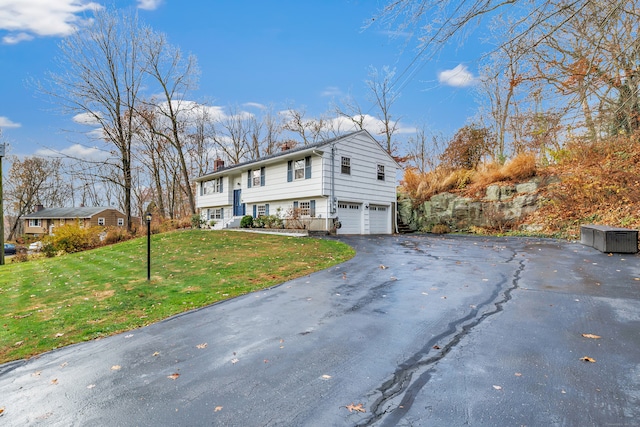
[(362, 187)]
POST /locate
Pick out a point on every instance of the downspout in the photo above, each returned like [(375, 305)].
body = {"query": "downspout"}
[(333, 173)]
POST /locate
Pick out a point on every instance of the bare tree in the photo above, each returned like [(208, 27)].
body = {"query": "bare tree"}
[(176, 76), (424, 150), (231, 135), (33, 181), (309, 130), (382, 95), (100, 78)]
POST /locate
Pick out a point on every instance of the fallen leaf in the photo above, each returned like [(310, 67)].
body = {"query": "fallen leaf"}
[(36, 374), (90, 386), (203, 345), (326, 377), (383, 267), (218, 409), (518, 374), (157, 353), (266, 360), (357, 408), (173, 376), (129, 336), (497, 387), (234, 361), (116, 367), (588, 359), (64, 364), (54, 381), (2, 410), (59, 334), (436, 347), (592, 336)]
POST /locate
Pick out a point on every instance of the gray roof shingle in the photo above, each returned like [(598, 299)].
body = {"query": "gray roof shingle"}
[(66, 213)]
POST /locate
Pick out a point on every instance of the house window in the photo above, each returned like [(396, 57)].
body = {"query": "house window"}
[(215, 213), (100, 221), (256, 177), (35, 223), (261, 210), (304, 208), (120, 222), (211, 187), (298, 169), (345, 166), (381, 172)]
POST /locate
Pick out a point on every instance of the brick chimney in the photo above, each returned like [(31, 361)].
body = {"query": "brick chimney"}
[(218, 164), (288, 145), (38, 208)]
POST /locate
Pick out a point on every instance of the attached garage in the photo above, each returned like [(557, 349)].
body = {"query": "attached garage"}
[(350, 217), (379, 219)]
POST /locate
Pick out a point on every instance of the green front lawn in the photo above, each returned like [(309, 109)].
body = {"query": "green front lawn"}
[(49, 303)]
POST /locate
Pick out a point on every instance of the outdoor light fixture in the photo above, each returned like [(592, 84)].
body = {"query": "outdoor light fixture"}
[(148, 218)]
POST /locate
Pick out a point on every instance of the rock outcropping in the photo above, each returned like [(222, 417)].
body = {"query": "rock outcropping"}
[(502, 206)]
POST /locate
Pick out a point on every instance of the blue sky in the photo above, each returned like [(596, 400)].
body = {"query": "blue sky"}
[(300, 53)]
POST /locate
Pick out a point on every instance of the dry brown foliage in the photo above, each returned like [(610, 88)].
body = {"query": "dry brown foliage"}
[(421, 187), (600, 184)]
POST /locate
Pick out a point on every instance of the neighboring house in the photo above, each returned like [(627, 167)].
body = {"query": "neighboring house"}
[(44, 221), (346, 184)]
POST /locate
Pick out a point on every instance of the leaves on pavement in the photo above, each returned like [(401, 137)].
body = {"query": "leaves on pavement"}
[(235, 360), (201, 346), (173, 376), (218, 409), (592, 336), (357, 408), (497, 387), (116, 367), (588, 359)]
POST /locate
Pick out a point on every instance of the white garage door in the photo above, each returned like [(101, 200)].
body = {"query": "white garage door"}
[(350, 216), (379, 219)]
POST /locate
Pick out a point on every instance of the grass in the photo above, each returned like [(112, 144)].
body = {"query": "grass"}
[(53, 302)]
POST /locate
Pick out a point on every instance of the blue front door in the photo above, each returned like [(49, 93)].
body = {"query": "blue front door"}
[(238, 206)]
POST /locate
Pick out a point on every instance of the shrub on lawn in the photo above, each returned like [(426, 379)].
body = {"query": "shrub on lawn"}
[(71, 238), (246, 221)]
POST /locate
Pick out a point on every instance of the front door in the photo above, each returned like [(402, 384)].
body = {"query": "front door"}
[(238, 206)]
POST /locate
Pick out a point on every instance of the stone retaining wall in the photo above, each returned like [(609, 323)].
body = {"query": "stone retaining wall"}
[(502, 206)]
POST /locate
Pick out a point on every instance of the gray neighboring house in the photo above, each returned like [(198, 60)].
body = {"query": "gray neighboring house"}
[(44, 220)]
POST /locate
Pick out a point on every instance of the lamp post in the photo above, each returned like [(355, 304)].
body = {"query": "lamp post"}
[(1, 208), (148, 218)]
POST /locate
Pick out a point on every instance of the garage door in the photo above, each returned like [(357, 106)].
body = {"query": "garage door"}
[(350, 216), (379, 219)]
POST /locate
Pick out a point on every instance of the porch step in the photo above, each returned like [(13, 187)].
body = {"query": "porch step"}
[(234, 222)]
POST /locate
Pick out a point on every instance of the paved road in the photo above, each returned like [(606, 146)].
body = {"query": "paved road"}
[(419, 330)]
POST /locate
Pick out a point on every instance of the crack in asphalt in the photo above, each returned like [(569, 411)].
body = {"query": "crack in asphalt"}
[(402, 384)]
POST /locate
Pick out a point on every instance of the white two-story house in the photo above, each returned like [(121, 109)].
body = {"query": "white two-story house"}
[(345, 185)]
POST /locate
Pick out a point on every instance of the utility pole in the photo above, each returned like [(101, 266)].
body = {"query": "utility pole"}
[(1, 207)]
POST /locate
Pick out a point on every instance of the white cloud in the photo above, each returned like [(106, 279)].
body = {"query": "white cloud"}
[(331, 91), (76, 151), (7, 123), (17, 38), (86, 119), (149, 4), (254, 105), (460, 76), (24, 19)]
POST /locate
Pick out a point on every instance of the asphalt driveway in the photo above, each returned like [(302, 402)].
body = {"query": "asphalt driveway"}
[(414, 331)]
